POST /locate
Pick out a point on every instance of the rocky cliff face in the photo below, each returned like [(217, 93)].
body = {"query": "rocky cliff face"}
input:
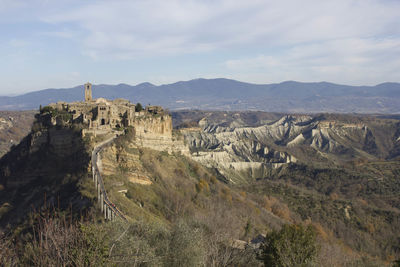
[(116, 160), (155, 132), (46, 167), (50, 162), (308, 139)]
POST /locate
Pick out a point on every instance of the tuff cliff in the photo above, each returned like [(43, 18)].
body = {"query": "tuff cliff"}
[(153, 132), (45, 169), (51, 161), (156, 132)]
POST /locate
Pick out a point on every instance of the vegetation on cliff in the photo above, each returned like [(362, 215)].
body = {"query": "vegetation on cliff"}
[(345, 180), (181, 213)]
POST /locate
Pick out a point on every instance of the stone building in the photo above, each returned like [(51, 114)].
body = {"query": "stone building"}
[(152, 126), (101, 113)]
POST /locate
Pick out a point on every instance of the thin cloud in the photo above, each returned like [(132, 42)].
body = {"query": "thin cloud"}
[(353, 61), (160, 27), (346, 41)]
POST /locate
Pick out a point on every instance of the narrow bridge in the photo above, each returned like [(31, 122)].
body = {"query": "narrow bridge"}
[(108, 208)]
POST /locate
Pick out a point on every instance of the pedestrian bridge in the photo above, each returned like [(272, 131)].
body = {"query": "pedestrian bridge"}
[(108, 208)]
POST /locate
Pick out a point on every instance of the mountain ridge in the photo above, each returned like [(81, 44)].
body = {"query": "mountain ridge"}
[(228, 94)]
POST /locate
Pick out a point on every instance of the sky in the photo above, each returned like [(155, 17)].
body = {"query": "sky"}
[(64, 43)]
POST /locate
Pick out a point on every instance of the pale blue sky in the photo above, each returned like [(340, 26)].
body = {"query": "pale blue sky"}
[(64, 43)]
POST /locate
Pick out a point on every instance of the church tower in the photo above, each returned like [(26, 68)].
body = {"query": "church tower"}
[(88, 92)]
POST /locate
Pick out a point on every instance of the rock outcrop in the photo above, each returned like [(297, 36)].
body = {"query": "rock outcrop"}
[(116, 159), (44, 169), (255, 151), (156, 132)]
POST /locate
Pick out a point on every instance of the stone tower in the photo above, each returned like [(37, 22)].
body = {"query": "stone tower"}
[(88, 92)]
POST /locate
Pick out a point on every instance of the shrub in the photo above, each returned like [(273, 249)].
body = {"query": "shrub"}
[(138, 107), (226, 194), (281, 210), (8, 255), (46, 109), (59, 242), (63, 114), (202, 185), (293, 245), (186, 247), (141, 244)]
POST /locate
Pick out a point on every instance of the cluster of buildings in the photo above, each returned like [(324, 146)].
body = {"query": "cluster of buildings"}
[(101, 113)]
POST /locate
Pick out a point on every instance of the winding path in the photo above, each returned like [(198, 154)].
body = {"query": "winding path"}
[(108, 208)]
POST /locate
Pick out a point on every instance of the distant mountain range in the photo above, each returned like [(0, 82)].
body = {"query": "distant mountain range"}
[(225, 94)]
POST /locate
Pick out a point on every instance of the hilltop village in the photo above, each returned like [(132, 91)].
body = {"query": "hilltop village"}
[(152, 125), (105, 114)]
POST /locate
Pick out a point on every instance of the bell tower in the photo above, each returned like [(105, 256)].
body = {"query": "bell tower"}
[(88, 92)]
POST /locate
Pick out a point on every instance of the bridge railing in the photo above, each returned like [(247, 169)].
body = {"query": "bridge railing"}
[(108, 208)]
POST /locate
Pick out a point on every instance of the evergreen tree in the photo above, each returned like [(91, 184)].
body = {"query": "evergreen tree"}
[(138, 107)]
